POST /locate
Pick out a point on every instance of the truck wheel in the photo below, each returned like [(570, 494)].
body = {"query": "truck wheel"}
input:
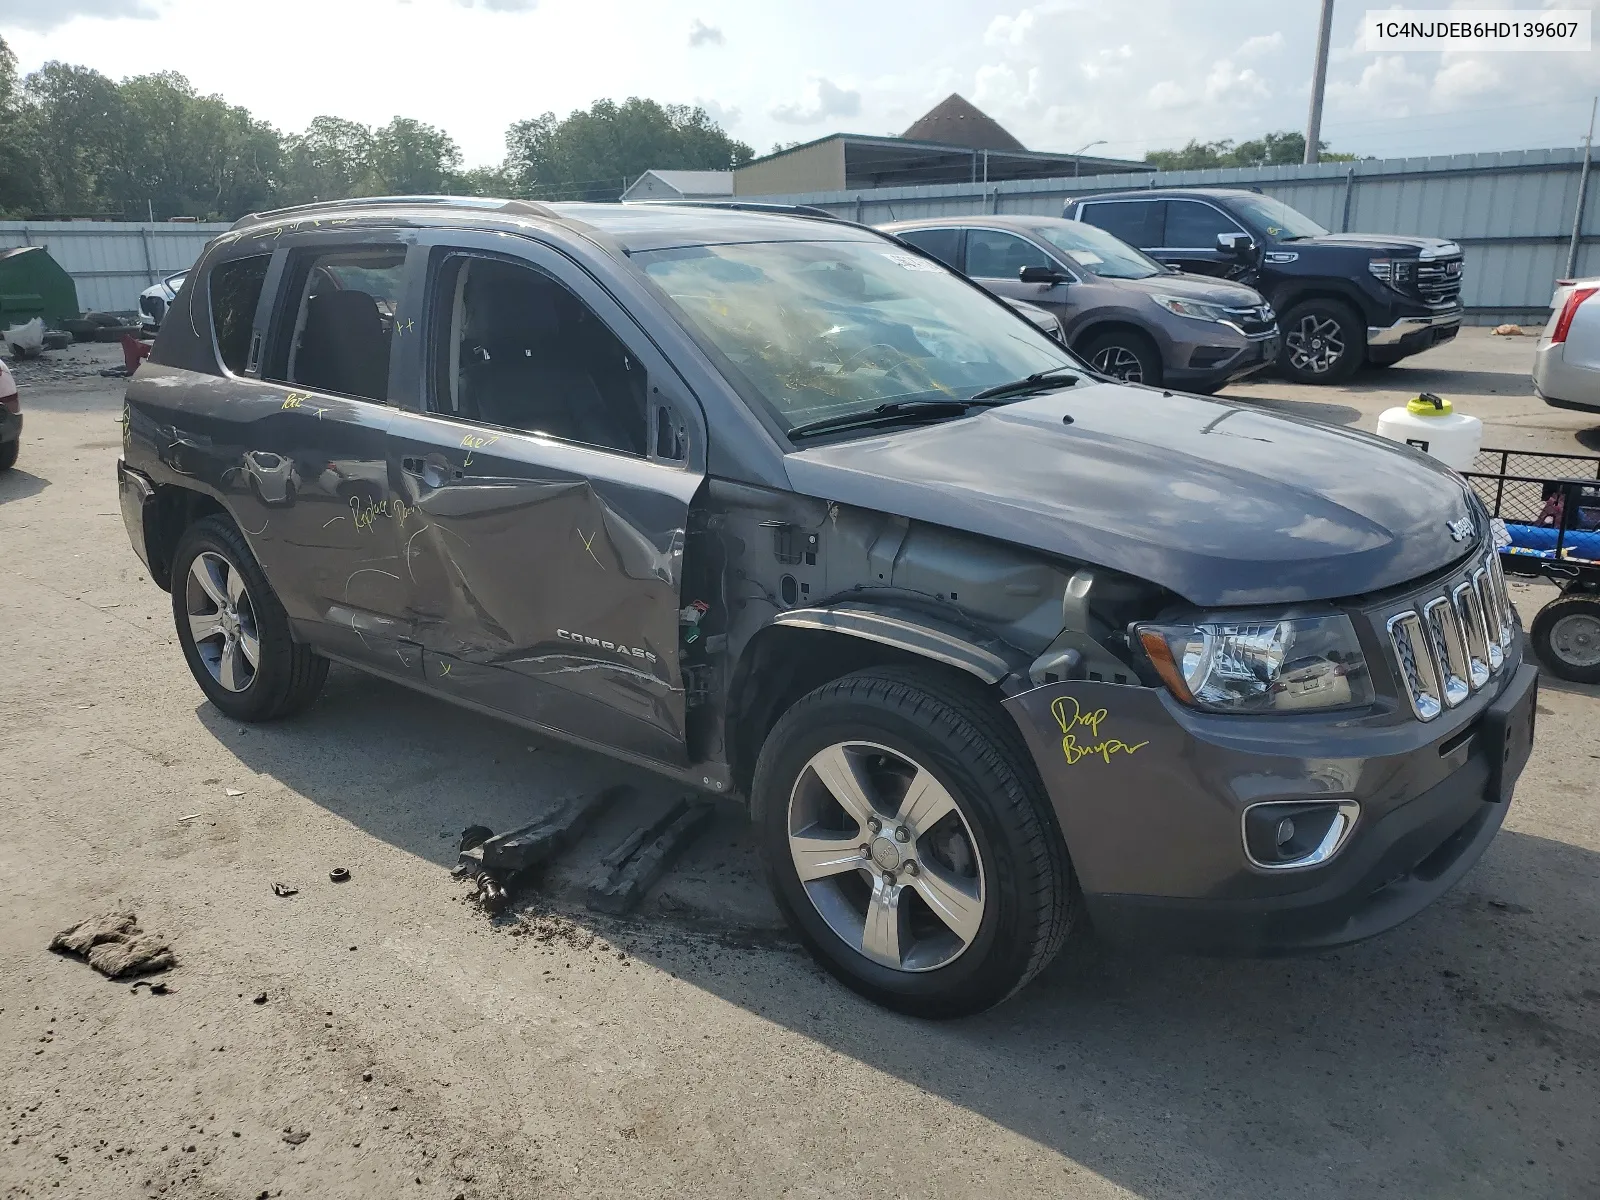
[(910, 844), (1323, 342), (1124, 354), (233, 630), (1566, 637)]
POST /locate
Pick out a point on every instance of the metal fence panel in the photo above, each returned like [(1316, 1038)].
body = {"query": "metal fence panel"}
[(1512, 211), (113, 261)]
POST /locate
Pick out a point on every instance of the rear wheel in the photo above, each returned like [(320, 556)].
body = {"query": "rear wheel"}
[(8, 453), (909, 842), (234, 632), (1124, 354), (1566, 637), (1323, 342)]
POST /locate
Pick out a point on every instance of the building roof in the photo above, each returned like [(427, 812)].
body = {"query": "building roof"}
[(955, 121), (696, 183)]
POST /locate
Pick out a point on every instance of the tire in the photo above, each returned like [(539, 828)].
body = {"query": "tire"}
[(1325, 338), (1124, 354), (996, 851), (1566, 637), (286, 676), (8, 453)]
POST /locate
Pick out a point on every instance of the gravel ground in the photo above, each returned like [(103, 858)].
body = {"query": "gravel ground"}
[(406, 1046)]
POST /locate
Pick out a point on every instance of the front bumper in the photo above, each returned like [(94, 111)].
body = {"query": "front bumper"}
[(1226, 356), (1412, 335), (1153, 812)]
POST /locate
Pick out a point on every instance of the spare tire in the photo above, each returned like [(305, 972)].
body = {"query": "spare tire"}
[(80, 328), (113, 333)]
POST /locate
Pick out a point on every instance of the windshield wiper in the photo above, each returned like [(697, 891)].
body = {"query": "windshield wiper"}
[(895, 410), (1054, 377)]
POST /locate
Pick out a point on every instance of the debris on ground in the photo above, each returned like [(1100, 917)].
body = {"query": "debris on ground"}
[(500, 864), (156, 989), (630, 869), (1508, 330), (296, 1136), (283, 889), (25, 340), (115, 946), (340, 875)]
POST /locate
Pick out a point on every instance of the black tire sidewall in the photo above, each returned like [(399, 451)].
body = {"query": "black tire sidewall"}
[(1137, 344), (1355, 341), (991, 967), (9, 452), (1544, 624), (263, 697)]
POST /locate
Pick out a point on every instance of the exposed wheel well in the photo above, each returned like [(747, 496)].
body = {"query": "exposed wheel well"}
[(172, 511), (779, 666), (1288, 300), (1088, 334)]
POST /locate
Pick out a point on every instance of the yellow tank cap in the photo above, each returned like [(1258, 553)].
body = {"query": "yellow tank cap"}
[(1429, 405)]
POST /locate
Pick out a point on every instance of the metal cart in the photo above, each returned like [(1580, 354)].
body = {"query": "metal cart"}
[(1546, 510)]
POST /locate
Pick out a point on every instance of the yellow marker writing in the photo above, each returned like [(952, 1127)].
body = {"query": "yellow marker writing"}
[(1070, 716)]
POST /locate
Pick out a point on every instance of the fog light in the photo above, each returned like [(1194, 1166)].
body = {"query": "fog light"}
[(1293, 833)]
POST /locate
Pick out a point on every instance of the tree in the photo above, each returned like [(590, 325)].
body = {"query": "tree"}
[(19, 165), (410, 158), (74, 119), (591, 154), (1270, 149), (329, 161)]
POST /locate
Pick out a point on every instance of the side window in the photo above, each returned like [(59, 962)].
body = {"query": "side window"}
[(1194, 226), (943, 244), (235, 291), (1137, 222), (516, 348), (337, 320), (995, 255)]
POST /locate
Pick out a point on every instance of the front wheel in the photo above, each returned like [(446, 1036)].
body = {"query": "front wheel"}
[(8, 453), (1123, 354), (233, 630), (1566, 637), (1323, 342), (910, 844)]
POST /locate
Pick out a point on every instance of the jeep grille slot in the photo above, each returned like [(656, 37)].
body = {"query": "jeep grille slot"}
[(1451, 643)]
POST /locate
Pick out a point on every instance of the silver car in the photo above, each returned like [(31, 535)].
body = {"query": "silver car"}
[(1566, 364), (1130, 317)]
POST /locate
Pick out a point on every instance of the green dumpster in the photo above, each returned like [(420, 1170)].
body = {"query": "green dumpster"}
[(32, 284)]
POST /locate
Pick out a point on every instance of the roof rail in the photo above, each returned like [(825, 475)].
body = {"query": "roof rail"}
[(523, 207), (790, 210)]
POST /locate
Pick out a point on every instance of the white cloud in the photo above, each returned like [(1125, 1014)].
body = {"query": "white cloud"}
[(32, 14), (726, 116), (1224, 84), (823, 99), (1261, 46), (499, 5), (701, 34), (1465, 79)]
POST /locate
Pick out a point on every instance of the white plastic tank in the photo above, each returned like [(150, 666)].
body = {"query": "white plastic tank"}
[(1432, 426)]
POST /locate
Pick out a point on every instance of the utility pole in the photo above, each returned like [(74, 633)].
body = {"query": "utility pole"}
[(1319, 81), (1583, 187)]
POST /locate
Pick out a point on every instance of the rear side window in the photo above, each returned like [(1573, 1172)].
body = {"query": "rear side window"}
[(943, 244), (1137, 222), (339, 321), (995, 255), (235, 292)]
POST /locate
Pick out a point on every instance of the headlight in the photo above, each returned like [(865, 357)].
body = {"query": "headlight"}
[(1261, 666), (1193, 308)]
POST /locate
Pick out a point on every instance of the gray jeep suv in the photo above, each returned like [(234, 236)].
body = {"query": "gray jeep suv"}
[(781, 509), (1130, 317)]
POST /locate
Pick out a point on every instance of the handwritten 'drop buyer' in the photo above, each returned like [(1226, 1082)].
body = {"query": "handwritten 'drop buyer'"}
[(1069, 714)]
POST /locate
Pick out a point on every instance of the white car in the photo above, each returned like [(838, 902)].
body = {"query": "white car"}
[(153, 301), (1566, 365), (10, 419)]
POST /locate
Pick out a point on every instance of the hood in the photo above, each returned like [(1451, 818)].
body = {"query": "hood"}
[(1222, 504), (1194, 287), (1386, 242)]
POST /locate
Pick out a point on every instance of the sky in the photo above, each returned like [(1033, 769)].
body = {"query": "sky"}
[(1132, 75)]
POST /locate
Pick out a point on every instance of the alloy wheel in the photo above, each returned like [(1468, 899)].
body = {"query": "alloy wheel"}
[(886, 856), (1316, 344), (1119, 363), (1575, 640), (222, 621)]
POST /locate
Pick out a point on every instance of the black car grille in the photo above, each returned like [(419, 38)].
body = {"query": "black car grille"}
[(1254, 321), (1438, 281)]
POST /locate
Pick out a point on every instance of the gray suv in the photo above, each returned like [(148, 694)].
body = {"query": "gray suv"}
[(781, 509), (1129, 316)]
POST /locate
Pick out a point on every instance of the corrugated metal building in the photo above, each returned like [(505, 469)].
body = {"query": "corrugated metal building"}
[(113, 261)]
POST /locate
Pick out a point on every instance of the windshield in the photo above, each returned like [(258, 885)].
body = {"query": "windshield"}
[(1097, 251), (1277, 218), (827, 329)]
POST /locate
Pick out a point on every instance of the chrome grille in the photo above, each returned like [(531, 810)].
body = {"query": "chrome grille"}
[(1449, 644), (1439, 281)]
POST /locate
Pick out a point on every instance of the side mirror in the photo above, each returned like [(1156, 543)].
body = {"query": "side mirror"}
[(1041, 275), (1239, 245)]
